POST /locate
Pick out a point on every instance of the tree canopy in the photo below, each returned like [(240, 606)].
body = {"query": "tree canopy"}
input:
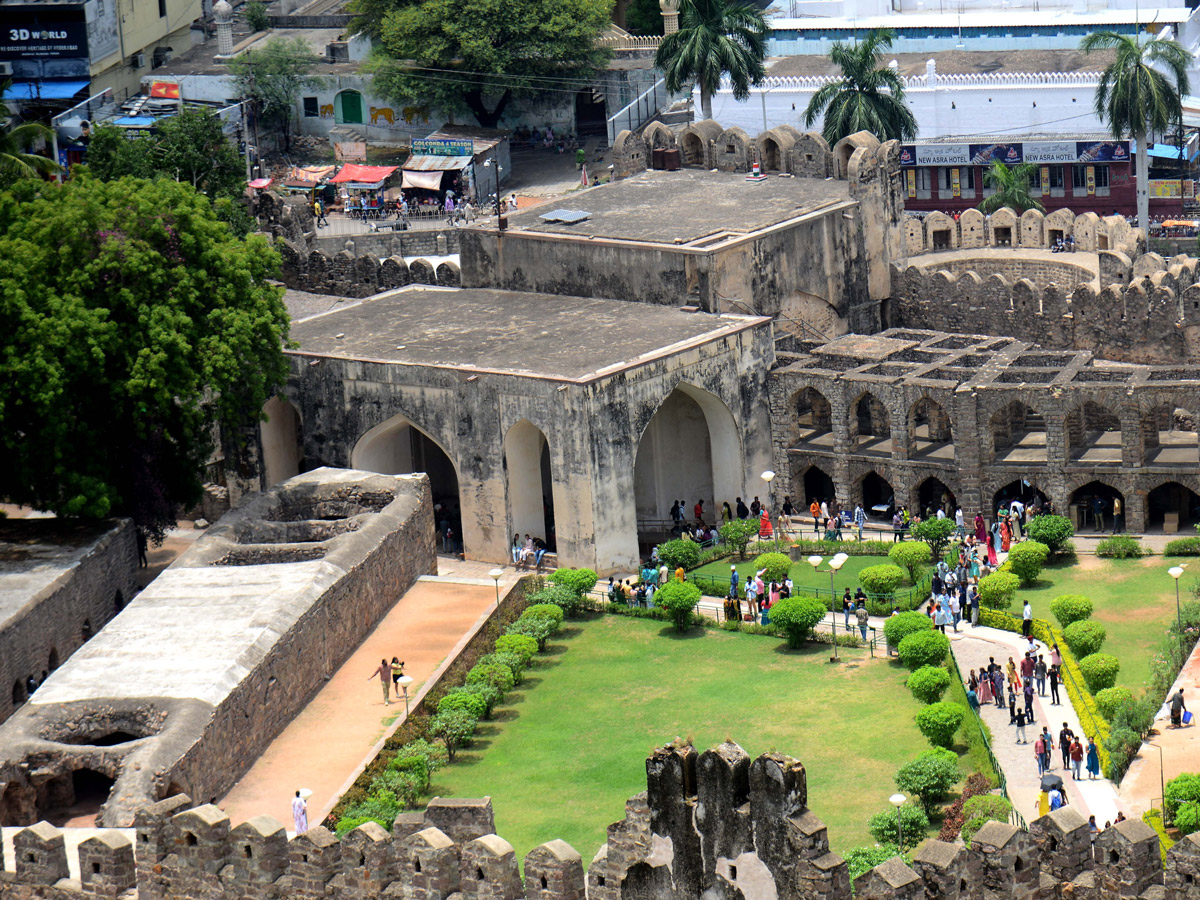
[(481, 56), (867, 97), (273, 79), (1013, 186), (135, 325), (715, 38)]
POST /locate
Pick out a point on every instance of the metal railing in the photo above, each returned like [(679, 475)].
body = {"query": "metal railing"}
[(643, 108)]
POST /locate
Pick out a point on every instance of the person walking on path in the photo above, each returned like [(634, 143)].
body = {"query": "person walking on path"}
[(1177, 708), (385, 678), (1076, 758), (1027, 619), (299, 813), (1039, 753), (1093, 759), (141, 545), (847, 607), (1054, 686), (1047, 747), (1065, 738), (860, 519), (1039, 674), (863, 618), (1021, 727), (1028, 690), (998, 687), (397, 674)]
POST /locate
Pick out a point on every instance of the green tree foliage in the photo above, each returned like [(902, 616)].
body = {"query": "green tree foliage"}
[(1013, 187), (930, 776), (912, 557), (715, 38), (925, 648), (1053, 531), (869, 96), (897, 628), (1187, 817), (912, 821), (189, 147), (578, 580), (134, 325), (1121, 546), (511, 661), (1181, 789), (939, 721), (538, 629), (736, 535), (678, 598), (558, 595), (496, 674), (928, 683), (549, 611), (860, 860), (882, 580), (644, 17), (273, 79), (680, 554), (1140, 93), (797, 617), (980, 810), (257, 16), (1069, 608), (471, 702), (1100, 671), (996, 590), (1026, 560), (774, 566), (453, 728), (935, 532), (481, 56), (16, 141), (1085, 638), (1109, 700)]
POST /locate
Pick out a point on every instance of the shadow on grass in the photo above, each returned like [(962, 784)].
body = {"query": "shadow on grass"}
[(503, 715), (670, 631), (567, 632), (551, 650), (807, 649)]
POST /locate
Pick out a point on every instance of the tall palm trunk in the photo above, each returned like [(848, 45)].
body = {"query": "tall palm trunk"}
[(1142, 164), (705, 101)]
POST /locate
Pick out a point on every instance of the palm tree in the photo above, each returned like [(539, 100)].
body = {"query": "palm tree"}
[(715, 38), (868, 97), (15, 159), (1011, 184), (1135, 98)]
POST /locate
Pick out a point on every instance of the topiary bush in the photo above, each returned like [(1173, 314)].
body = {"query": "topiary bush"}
[(912, 821), (1070, 608), (1085, 638), (930, 776), (496, 674), (1109, 700), (1187, 817), (516, 664), (1099, 671), (928, 683), (1053, 531), (679, 599), (796, 617), (1026, 560), (881, 579), (996, 590), (912, 557), (519, 644), (935, 532), (928, 648), (1189, 546), (558, 595), (1121, 546), (939, 721), (537, 628), (1181, 789), (774, 566), (580, 581), (466, 700), (680, 554), (897, 628)]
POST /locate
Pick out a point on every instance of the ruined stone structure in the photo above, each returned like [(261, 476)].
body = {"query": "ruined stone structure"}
[(814, 250), (185, 688), (60, 583), (566, 418), (711, 825), (911, 416)]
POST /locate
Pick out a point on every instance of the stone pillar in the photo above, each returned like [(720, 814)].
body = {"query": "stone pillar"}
[(461, 819), (671, 795), (1181, 872), (1065, 843), (670, 14), (723, 787), (41, 854), (258, 856), (152, 825), (106, 867), (488, 870), (1008, 859), (554, 871), (427, 863), (223, 13), (313, 860), (1127, 859), (891, 880), (946, 869), (366, 861), (198, 837)]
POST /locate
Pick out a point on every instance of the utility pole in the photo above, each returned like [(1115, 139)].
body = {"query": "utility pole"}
[(246, 138)]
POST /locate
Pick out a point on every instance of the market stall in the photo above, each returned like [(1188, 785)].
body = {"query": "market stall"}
[(361, 189)]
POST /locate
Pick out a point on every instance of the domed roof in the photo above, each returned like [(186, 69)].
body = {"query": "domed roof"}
[(222, 9)]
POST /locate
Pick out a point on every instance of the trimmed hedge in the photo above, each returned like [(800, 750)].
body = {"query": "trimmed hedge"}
[(1026, 560), (1086, 637), (850, 548), (1189, 546), (996, 590), (578, 580), (1112, 699), (912, 557), (897, 628), (883, 579), (939, 721), (1121, 546), (1069, 608), (680, 554), (1053, 531), (927, 648), (774, 566), (928, 683), (796, 617)]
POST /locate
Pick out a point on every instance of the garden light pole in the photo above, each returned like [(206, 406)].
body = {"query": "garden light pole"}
[(834, 564), (768, 476), (1175, 572), (497, 574), (897, 800)]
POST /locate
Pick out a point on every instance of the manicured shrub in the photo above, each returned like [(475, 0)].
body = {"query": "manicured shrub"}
[(1099, 671), (952, 818), (406, 786), (680, 554), (498, 676), (928, 683), (453, 728), (912, 821), (996, 590), (1121, 546), (519, 644), (539, 629), (1112, 699), (1085, 638), (1070, 608), (935, 532), (796, 617), (465, 700), (1181, 789), (549, 611), (912, 557), (881, 579), (928, 648), (897, 628), (939, 721), (1053, 531), (1187, 817), (930, 776), (679, 599), (1026, 560), (516, 664), (981, 810), (736, 535), (580, 581), (1189, 546), (430, 755), (774, 566), (382, 806), (557, 595)]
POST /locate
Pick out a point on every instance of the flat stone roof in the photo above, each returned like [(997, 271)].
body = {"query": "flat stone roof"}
[(510, 332), (685, 206)]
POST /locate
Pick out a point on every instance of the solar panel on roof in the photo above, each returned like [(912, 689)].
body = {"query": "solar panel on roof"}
[(553, 215), (566, 216)]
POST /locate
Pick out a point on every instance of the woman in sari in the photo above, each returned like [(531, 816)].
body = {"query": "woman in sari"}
[(1005, 534), (980, 528)]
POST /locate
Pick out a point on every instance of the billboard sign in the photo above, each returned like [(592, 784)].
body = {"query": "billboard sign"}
[(43, 32), (1051, 152), (1102, 151), (986, 154), (442, 147)]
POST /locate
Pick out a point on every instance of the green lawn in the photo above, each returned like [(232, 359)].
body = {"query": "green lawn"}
[(1134, 598), (803, 575), (569, 750)]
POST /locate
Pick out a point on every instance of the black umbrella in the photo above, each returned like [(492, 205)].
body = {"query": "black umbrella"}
[(1050, 782)]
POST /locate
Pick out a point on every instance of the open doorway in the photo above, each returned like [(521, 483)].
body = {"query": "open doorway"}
[(878, 498), (74, 798), (1092, 506), (1172, 508), (530, 488), (933, 495), (591, 113)]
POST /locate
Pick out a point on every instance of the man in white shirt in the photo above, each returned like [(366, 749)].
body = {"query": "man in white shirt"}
[(960, 524)]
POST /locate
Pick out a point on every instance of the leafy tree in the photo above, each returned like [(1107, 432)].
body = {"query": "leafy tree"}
[(257, 16), (1053, 531), (453, 728), (1181, 789), (559, 595), (15, 142), (912, 557), (189, 147), (678, 598), (935, 532), (868, 96), (580, 581), (1085, 638), (796, 617), (930, 776), (939, 721), (980, 810), (1187, 817), (715, 38), (680, 554), (996, 590), (1012, 187), (135, 326), (925, 648), (1026, 560), (644, 17), (273, 79), (774, 566), (481, 56), (1109, 700), (909, 818), (1139, 93), (736, 535), (928, 683)]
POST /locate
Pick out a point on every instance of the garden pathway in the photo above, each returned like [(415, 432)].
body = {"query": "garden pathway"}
[(972, 647)]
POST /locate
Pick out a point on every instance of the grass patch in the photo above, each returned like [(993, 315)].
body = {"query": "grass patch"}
[(806, 580), (566, 753)]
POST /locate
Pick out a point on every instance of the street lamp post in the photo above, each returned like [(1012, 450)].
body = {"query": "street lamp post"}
[(897, 800), (768, 476), (834, 564), (1175, 572), (497, 574), (494, 163)]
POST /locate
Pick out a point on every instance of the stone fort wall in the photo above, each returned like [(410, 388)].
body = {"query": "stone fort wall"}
[(1068, 272), (713, 825)]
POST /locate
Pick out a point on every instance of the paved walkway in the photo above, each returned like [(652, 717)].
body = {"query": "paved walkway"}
[(972, 647)]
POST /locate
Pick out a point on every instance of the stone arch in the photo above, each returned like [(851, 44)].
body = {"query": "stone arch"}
[(812, 417), (696, 143), (1059, 225), (656, 136), (1173, 505), (393, 273), (1026, 490), (1169, 436), (348, 108), (876, 494), (972, 226), (817, 484), (1087, 226), (870, 425), (422, 271), (733, 151), (933, 494), (1083, 493), (530, 482), (282, 443), (941, 232), (843, 151), (448, 274), (689, 449), (775, 150), (914, 238), (1003, 228), (1018, 433), (802, 314), (1093, 434), (930, 433), (629, 155), (811, 156)]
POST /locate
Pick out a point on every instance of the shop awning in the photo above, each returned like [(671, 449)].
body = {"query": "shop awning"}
[(261, 182), (311, 174), (436, 163), (26, 91), (426, 181), (363, 177)]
